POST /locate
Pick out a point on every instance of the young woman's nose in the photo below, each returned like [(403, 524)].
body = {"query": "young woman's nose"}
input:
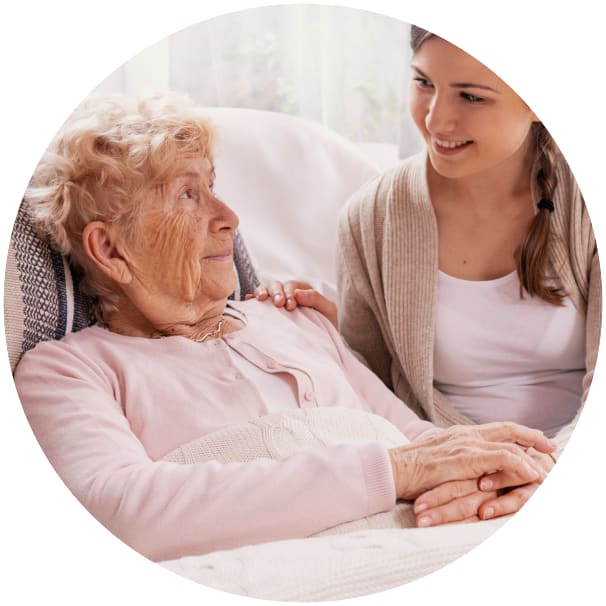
[(440, 117)]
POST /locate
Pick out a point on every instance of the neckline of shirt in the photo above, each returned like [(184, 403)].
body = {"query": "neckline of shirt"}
[(479, 283)]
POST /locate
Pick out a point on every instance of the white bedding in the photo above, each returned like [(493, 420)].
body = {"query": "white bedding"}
[(333, 567), (353, 559)]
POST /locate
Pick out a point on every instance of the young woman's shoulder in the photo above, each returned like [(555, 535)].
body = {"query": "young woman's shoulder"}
[(405, 181), (571, 220)]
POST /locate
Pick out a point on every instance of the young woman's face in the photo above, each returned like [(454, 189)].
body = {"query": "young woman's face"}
[(470, 119)]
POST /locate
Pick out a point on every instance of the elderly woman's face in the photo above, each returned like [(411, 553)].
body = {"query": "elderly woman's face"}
[(185, 259)]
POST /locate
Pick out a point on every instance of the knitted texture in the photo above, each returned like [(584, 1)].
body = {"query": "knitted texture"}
[(333, 567), (280, 435), (42, 299)]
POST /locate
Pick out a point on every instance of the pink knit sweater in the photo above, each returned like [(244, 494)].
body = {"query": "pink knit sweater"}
[(107, 407)]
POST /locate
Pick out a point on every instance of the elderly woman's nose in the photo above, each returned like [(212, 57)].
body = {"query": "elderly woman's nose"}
[(223, 216)]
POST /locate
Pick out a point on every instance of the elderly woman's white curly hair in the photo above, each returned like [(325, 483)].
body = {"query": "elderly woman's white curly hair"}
[(108, 157)]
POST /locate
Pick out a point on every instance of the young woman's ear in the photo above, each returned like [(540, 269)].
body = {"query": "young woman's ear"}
[(99, 244)]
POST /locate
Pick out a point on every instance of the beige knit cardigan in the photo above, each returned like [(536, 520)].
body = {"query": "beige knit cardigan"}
[(387, 281)]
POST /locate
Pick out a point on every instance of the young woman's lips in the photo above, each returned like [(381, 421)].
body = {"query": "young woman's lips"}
[(445, 147)]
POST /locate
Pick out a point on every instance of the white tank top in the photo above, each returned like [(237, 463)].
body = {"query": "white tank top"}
[(498, 357)]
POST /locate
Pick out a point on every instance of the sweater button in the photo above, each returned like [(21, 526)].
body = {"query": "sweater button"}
[(272, 364), (308, 395)]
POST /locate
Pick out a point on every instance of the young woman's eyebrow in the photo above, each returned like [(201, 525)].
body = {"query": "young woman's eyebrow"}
[(472, 85), (458, 84), (421, 73)]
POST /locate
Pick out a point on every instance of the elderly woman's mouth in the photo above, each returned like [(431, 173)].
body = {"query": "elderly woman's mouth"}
[(221, 256)]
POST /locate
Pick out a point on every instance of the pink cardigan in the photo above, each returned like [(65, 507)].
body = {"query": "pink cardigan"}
[(106, 407)]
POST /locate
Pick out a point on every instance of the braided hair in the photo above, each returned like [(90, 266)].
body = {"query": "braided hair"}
[(532, 256)]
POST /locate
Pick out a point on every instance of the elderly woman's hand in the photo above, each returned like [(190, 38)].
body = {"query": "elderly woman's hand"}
[(296, 292), (467, 453), (463, 500)]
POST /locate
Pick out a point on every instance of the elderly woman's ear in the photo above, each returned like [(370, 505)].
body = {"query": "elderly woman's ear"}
[(100, 245)]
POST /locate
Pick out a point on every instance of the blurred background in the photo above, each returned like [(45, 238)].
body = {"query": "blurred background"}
[(344, 68)]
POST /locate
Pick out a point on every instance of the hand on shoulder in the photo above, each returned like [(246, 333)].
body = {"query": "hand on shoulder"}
[(293, 293)]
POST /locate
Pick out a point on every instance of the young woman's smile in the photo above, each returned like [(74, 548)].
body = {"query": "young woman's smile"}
[(449, 148), (471, 120)]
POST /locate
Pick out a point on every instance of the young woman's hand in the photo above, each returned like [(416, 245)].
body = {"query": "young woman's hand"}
[(296, 292), (483, 499)]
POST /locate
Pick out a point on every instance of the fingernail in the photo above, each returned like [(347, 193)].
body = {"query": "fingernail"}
[(488, 513), (424, 522), (486, 484), (277, 297), (420, 507)]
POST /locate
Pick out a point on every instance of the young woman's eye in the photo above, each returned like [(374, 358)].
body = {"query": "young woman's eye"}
[(422, 82), (472, 98)]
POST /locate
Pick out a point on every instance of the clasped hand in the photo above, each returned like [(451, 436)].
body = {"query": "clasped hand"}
[(477, 499), (468, 473)]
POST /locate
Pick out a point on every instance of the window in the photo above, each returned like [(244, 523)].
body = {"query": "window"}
[(345, 68)]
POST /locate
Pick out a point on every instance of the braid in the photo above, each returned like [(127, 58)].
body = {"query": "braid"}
[(532, 257)]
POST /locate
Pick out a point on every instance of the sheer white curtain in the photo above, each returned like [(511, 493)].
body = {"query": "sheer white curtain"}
[(345, 68)]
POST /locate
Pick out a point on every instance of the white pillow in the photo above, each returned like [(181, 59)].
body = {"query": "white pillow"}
[(288, 179)]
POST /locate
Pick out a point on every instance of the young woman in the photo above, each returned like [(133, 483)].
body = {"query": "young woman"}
[(468, 275)]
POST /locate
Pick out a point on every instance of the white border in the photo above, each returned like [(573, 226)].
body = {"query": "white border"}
[(54, 53)]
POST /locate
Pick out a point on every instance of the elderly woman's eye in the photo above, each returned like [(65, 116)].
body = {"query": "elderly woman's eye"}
[(189, 194)]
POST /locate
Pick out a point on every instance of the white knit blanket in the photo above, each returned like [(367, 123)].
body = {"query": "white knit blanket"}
[(349, 560)]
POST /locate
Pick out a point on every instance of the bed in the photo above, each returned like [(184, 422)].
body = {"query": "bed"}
[(287, 229)]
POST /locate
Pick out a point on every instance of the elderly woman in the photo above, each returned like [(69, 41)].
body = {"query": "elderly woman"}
[(126, 191)]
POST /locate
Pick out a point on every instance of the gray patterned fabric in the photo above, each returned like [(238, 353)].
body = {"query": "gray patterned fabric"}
[(245, 270), (42, 298)]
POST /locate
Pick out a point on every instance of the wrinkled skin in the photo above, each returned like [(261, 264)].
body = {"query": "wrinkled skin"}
[(180, 272)]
